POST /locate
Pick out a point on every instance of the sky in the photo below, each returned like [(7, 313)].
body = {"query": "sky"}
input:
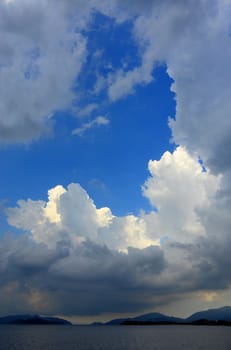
[(115, 157)]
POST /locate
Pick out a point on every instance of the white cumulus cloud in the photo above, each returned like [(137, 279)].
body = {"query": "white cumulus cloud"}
[(178, 187)]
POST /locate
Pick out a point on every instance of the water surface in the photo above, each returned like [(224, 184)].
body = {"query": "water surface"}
[(30, 337)]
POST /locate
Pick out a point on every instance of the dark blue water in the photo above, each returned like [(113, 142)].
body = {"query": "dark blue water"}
[(114, 338)]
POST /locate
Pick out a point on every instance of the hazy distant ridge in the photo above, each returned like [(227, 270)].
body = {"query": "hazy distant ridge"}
[(220, 314), (223, 314)]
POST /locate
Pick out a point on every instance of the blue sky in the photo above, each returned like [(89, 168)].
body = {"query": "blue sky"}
[(109, 162), (110, 112)]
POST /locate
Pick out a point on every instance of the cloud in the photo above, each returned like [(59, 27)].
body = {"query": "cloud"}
[(87, 110), (123, 83), (47, 279), (98, 121), (194, 43), (71, 214), (36, 43), (178, 188), (83, 254)]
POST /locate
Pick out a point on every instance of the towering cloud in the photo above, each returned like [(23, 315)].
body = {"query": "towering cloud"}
[(178, 188), (77, 246)]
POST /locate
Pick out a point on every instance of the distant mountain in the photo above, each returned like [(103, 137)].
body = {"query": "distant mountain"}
[(157, 317), (33, 319), (151, 318), (220, 316), (116, 321)]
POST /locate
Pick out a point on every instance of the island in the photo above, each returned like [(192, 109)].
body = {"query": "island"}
[(33, 320)]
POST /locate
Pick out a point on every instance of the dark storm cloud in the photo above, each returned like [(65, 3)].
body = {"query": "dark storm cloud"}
[(220, 161), (208, 263), (93, 279), (90, 279)]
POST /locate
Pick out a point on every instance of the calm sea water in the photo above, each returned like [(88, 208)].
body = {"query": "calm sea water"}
[(114, 338)]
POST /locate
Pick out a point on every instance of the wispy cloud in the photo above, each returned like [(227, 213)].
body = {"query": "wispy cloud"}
[(98, 121), (85, 111)]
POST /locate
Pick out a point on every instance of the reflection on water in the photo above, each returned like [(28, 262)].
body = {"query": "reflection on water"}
[(17, 337)]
